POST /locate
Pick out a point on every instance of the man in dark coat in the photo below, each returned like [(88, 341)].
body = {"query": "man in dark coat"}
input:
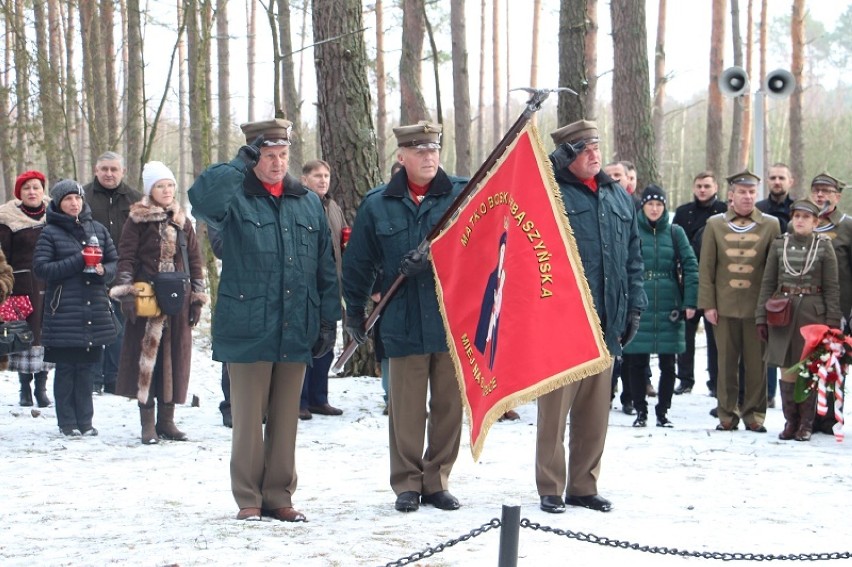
[(692, 217), (110, 198), (392, 221), (603, 219), (277, 308)]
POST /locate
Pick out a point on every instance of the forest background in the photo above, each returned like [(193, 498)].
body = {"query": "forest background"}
[(172, 80)]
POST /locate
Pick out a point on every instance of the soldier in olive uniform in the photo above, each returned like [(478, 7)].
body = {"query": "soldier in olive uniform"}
[(826, 192), (733, 257)]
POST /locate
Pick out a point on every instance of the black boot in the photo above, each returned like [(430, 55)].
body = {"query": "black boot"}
[(41, 390), (26, 391)]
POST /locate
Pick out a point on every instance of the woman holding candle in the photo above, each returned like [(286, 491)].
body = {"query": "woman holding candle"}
[(78, 317)]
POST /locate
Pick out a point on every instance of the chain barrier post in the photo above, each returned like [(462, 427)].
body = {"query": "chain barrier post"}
[(509, 530)]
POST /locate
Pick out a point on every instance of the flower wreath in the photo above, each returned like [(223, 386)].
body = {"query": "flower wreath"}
[(826, 357)]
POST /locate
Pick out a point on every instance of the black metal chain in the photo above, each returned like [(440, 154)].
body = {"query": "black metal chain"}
[(430, 551), (724, 556)]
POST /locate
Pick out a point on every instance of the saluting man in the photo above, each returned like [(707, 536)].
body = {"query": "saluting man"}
[(733, 256)]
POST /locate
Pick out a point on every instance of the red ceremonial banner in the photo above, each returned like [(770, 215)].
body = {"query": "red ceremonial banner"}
[(519, 316)]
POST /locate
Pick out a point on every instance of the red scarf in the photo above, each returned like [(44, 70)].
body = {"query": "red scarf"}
[(591, 183), (417, 192), (274, 189)]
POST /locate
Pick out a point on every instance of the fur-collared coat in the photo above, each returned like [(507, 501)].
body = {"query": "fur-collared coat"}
[(18, 236), (148, 245)]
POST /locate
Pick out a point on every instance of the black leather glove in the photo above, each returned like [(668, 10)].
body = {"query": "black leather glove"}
[(356, 326), (415, 261), (326, 340), (763, 331), (194, 313), (632, 328), (128, 308), (250, 153), (573, 150)]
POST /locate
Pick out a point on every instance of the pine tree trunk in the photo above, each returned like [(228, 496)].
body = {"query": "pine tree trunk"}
[(461, 88), (345, 117), (480, 109), (659, 82), (107, 56), (48, 93), (412, 104), (714, 97), (381, 88), (223, 59), (5, 138), (292, 104), (135, 98), (631, 99), (745, 139), (496, 90), (251, 50), (572, 62), (591, 59), (797, 142)]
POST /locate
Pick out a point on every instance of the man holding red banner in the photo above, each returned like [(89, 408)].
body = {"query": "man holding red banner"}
[(603, 219), (392, 221)]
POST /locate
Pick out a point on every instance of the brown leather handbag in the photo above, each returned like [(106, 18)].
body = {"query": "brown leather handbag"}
[(778, 311)]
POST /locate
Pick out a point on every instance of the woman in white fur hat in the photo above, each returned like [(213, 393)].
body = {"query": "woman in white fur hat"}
[(156, 351)]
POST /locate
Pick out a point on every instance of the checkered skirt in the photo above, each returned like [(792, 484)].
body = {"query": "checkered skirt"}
[(29, 361)]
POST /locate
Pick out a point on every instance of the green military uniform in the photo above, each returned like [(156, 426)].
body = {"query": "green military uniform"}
[(733, 258), (838, 227)]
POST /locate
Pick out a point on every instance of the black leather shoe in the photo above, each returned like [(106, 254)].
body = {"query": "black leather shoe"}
[(683, 389), (592, 502), (408, 501), (442, 500), (552, 504)]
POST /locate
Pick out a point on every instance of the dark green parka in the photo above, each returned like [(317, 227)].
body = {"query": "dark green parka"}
[(658, 333), (388, 225), (278, 274), (604, 225)]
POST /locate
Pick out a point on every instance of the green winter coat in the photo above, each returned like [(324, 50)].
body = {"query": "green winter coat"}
[(387, 226), (604, 226), (278, 274), (657, 332)]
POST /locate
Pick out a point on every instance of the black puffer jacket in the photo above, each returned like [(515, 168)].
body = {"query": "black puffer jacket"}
[(77, 310)]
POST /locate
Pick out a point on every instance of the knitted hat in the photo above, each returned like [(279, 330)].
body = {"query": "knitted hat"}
[(63, 188), (26, 176), (155, 171), (653, 193)]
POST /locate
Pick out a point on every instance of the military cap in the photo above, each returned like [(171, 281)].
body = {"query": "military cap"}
[(424, 134), (275, 132), (805, 205), (579, 131), (826, 179), (744, 178)]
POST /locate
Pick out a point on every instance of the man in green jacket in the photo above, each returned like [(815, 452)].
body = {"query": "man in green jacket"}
[(277, 308), (603, 219), (392, 221)]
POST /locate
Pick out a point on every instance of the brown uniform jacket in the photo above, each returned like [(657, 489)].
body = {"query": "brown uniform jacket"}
[(733, 257), (820, 305), (838, 227)]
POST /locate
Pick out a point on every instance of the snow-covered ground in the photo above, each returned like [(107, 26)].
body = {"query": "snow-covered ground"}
[(111, 501)]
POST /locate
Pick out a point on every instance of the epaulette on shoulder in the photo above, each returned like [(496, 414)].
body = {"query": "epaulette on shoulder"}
[(821, 236)]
